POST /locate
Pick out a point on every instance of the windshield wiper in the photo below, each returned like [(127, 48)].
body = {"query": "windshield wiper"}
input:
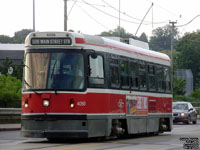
[(31, 87), (52, 73)]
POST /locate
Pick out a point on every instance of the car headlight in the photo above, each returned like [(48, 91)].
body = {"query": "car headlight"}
[(46, 103), (182, 114)]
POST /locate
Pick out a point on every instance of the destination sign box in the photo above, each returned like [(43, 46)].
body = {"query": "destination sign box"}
[(51, 41)]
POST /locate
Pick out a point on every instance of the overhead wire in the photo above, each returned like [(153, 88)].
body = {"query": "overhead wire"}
[(150, 22), (188, 22), (92, 17), (108, 13)]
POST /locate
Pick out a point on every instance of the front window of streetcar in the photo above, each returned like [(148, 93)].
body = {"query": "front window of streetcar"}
[(54, 71)]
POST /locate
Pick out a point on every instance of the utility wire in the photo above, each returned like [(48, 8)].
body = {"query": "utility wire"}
[(108, 13), (131, 16), (189, 21), (93, 18)]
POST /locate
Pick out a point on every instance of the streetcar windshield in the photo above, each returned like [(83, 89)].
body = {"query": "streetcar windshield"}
[(54, 71)]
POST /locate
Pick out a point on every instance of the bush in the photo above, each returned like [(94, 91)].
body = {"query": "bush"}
[(185, 98), (10, 91)]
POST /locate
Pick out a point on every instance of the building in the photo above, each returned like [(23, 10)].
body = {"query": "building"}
[(187, 75), (15, 52)]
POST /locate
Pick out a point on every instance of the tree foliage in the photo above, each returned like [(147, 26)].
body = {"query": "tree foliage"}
[(161, 38), (189, 54), (10, 90), (19, 37), (179, 86), (120, 31), (17, 70)]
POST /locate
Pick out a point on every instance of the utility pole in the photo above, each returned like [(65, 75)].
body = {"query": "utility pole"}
[(65, 15), (33, 15), (172, 50)]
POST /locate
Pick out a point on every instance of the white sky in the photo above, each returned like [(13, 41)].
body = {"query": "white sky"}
[(16, 15)]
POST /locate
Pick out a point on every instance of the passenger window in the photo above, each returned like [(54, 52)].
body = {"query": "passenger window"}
[(124, 74), (167, 79), (151, 76), (114, 73), (134, 75), (160, 78), (96, 70), (142, 75)]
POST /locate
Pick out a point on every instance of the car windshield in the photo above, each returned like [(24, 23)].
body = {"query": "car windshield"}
[(180, 106), (54, 71)]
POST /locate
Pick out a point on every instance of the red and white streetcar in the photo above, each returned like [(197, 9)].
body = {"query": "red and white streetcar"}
[(83, 86)]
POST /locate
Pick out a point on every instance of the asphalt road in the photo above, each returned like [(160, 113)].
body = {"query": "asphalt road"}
[(182, 135)]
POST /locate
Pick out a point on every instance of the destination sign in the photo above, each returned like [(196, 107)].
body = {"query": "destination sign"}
[(51, 41)]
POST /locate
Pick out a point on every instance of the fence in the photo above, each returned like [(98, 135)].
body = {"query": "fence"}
[(10, 115)]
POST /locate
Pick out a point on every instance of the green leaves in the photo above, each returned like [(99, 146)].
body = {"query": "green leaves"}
[(10, 89), (189, 55)]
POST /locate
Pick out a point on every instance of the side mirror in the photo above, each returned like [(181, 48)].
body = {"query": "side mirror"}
[(191, 109)]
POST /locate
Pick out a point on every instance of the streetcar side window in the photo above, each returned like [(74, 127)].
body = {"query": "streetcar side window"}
[(160, 78), (114, 73), (167, 79), (124, 74), (134, 75), (151, 77), (142, 76), (96, 70)]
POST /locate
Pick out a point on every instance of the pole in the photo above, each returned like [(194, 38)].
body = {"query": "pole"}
[(143, 19), (65, 15), (33, 15), (172, 51)]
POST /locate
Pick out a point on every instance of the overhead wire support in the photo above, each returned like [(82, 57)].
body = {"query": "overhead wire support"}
[(143, 19)]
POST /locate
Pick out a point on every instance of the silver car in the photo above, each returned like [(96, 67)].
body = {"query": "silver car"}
[(184, 112)]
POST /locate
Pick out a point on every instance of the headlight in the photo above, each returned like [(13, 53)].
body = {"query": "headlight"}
[(46, 103), (26, 105), (182, 114)]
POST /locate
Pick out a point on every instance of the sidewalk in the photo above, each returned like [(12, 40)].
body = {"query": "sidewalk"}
[(10, 127)]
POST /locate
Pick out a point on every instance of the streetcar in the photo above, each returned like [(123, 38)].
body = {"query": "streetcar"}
[(83, 86)]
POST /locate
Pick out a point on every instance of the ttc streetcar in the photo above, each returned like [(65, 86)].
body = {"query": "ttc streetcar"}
[(83, 86)]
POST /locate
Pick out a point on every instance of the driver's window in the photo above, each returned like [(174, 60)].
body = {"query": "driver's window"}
[(96, 69)]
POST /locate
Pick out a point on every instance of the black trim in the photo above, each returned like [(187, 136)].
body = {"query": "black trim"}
[(53, 117)]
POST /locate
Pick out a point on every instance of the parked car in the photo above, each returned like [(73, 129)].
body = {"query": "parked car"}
[(184, 112)]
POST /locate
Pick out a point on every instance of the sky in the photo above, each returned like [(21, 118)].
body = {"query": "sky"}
[(95, 16)]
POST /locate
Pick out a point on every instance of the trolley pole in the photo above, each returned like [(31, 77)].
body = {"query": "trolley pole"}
[(65, 15), (34, 15), (172, 51)]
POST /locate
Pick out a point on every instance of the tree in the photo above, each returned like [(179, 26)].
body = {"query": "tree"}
[(143, 37), (10, 91), (115, 33), (17, 72), (189, 54), (6, 64), (161, 39), (179, 86), (5, 39), (20, 36)]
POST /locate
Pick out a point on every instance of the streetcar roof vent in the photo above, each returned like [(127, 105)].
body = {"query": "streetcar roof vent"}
[(93, 39)]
